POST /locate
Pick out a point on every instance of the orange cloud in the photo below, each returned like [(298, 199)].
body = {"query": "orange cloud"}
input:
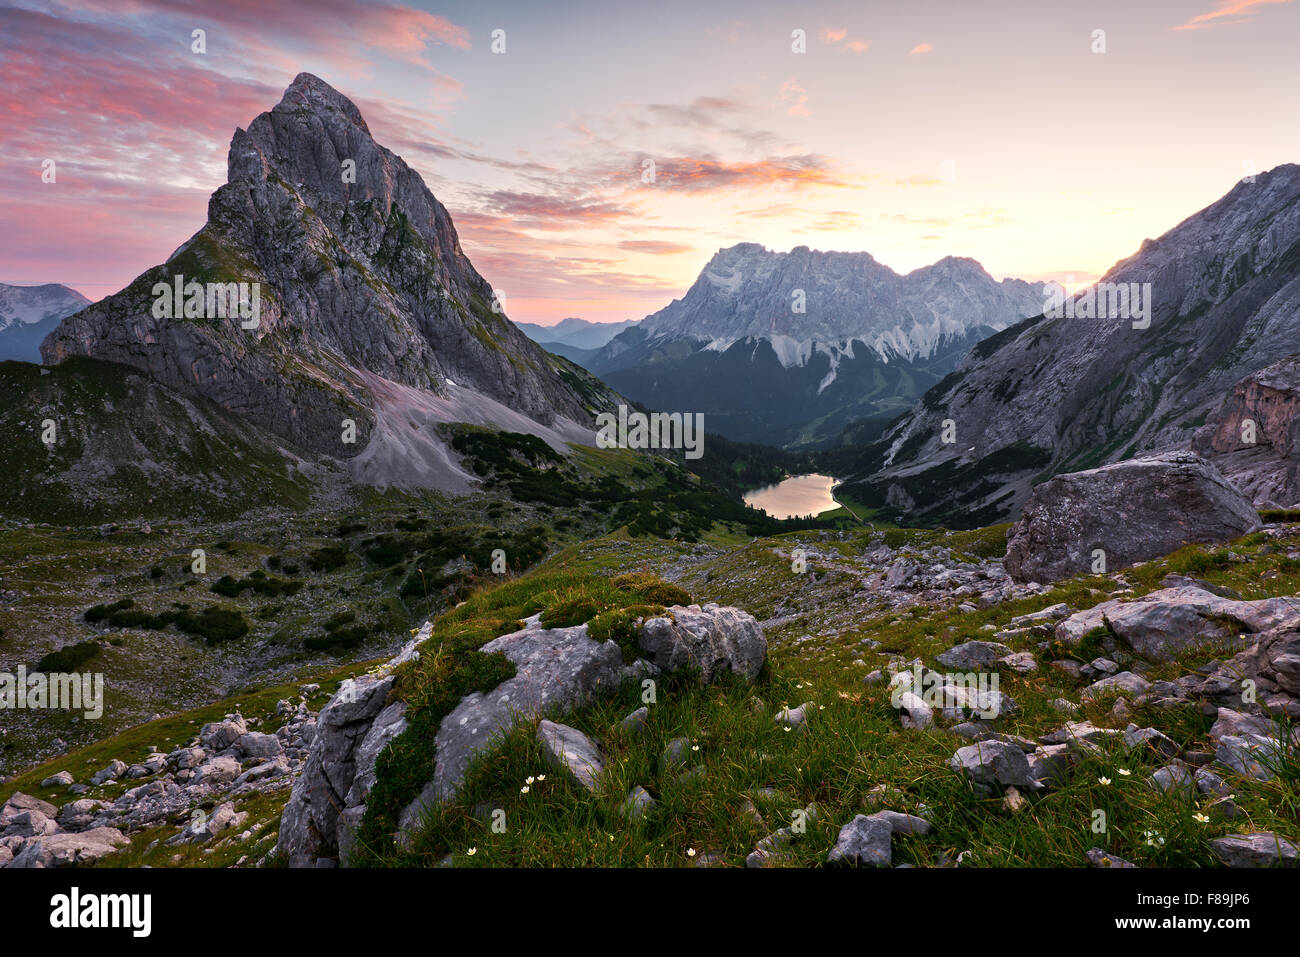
[(833, 37), (921, 48), (654, 248), (707, 173), (1237, 10)]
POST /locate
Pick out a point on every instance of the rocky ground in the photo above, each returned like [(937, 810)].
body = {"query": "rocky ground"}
[(1161, 695)]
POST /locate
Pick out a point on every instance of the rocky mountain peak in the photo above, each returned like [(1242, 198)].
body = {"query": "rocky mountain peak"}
[(369, 310)]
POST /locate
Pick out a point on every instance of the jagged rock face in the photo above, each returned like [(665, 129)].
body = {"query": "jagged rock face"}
[(866, 344), (1132, 511), (1265, 407), (1063, 394), (360, 282)]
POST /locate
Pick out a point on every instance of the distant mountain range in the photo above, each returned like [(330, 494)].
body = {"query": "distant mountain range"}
[(574, 333), (790, 348), (1081, 389), (29, 313)]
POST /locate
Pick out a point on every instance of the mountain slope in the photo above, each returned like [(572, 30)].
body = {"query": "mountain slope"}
[(29, 313), (369, 309), (834, 337), (127, 446), (1064, 394)]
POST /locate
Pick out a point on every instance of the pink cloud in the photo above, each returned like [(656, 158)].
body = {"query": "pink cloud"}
[(921, 48), (1237, 11)]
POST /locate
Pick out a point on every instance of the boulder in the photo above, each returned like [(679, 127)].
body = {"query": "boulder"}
[(974, 656), (1134, 511), (1266, 469), (259, 746), (711, 639), (219, 735), (571, 751), (638, 803), (1264, 849), (863, 841), (216, 772), (987, 763), (1161, 624), (64, 850)]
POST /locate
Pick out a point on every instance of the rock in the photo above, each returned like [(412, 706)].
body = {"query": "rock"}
[(215, 772), (1151, 738), (388, 724), (638, 803), (78, 815), (974, 656), (311, 827), (1022, 662), (1251, 755), (409, 317), (1099, 858), (675, 755), (19, 802), (30, 823), (904, 824), (568, 749), (711, 639), (61, 780), (1277, 658), (1265, 469), (1063, 705), (1174, 778), (64, 850), (636, 722), (1126, 682), (1229, 723), (1099, 668), (1074, 731), (1264, 849), (1207, 782), (863, 841), (794, 718), (914, 712), (1135, 510), (987, 763), (184, 759), (1162, 624), (259, 746), (1050, 764), (220, 735), (114, 770)]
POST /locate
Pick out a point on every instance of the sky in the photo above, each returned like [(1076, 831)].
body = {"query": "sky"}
[(1046, 139)]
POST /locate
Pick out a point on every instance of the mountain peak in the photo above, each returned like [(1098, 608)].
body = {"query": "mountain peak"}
[(369, 311), (310, 92)]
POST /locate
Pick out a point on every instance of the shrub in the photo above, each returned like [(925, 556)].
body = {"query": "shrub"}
[(69, 658)]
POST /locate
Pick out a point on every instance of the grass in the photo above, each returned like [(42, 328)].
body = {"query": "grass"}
[(854, 746), (852, 752)]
